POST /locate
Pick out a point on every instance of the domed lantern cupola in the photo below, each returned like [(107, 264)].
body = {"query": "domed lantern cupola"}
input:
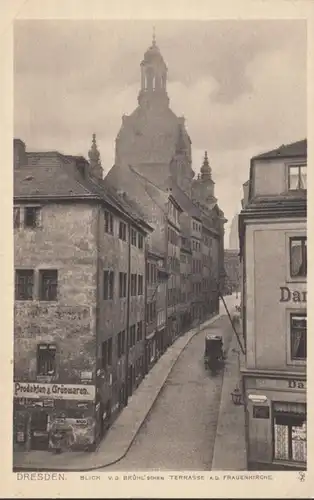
[(153, 75)]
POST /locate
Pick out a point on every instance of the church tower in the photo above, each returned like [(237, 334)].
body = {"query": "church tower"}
[(203, 188), (153, 90), (96, 169), (152, 139)]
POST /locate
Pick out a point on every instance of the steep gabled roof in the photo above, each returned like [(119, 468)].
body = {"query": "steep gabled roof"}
[(53, 181), (295, 149), (185, 203)]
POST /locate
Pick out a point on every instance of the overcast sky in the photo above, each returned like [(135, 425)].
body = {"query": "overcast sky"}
[(241, 86)]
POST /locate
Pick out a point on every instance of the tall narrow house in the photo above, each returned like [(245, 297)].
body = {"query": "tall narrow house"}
[(273, 244)]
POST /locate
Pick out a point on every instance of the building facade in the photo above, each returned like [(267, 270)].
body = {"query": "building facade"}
[(76, 304), (233, 271), (273, 240)]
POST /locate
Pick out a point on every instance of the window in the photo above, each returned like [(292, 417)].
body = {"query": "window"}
[(133, 237), (139, 331), (132, 339), (289, 432), (46, 359), (48, 284), (147, 272), (122, 231), (151, 311), (140, 241), (298, 334), (108, 222), (133, 284), (140, 285), (16, 217), (297, 177), (31, 216), (298, 257), (121, 343), (108, 285), (24, 284), (106, 354), (122, 285)]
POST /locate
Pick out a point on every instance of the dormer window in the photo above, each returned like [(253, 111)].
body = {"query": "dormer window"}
[(297, 178)]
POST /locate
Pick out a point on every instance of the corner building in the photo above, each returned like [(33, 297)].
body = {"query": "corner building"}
[(273, 244)]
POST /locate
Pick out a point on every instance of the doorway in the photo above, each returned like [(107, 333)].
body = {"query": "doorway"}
[(39, 431)]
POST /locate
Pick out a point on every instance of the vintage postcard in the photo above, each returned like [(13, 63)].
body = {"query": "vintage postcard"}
[(155, 252)]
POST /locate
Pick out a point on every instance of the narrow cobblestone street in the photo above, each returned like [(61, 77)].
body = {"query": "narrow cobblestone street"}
[(179, 433)]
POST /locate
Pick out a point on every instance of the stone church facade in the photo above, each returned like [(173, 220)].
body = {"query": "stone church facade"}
[(153, 164)]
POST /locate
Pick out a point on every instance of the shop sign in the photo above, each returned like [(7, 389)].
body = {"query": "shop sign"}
[(261, 412), (20, 437), (281, 384), (54, 391), (86, 376), (288, 295), (49, 403)]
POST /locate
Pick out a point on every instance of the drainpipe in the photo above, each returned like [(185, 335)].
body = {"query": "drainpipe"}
[(167, 284), (128, 317), (145, 311)]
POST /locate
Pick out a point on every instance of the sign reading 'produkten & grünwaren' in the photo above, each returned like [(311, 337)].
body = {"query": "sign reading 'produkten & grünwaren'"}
[(54, 391)]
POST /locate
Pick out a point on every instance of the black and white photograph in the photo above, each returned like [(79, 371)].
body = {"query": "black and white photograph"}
[(160, 247)]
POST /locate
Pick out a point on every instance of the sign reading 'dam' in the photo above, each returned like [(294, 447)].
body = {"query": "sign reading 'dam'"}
[(288, 295), (54, 391)]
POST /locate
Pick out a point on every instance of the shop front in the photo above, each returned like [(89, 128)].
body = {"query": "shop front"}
[(53, 416), (276, 421)]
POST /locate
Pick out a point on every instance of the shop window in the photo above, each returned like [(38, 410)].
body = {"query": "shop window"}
[(24, 284), (106, 354), (140, 241), (298, 257), (16, 217), (298, 334), (122, 285), (297, 177), (108, 285), (122, 231), (31, 217), (140, 285), (48, 284), (46, 359), (133, 237), (108, 222), (289, 432), (133, 284)]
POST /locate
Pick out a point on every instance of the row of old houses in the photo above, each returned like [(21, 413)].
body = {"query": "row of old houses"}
[(103, 286)]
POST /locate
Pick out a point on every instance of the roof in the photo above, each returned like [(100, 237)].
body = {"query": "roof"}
[(184, 201), (53, 181), (59, 182), (295, 149)]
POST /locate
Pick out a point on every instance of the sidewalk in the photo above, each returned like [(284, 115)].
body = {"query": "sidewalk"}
[(123, 431), (230, 447)]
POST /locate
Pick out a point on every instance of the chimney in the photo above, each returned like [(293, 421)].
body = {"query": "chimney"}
[(20, 158), (246, 187)]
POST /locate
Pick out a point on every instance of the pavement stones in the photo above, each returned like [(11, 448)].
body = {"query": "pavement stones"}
[(123, 431)]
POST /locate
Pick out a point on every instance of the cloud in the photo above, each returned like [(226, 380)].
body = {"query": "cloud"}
[(241, 86)]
